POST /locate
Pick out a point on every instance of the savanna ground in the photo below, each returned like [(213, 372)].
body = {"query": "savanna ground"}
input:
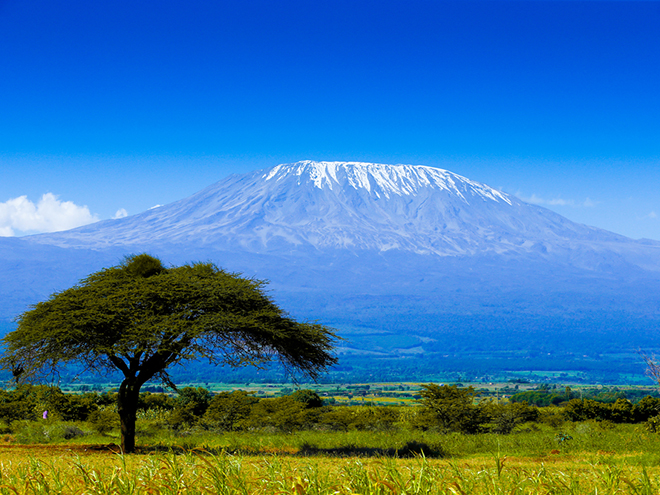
[(585, 457), (552, 454)]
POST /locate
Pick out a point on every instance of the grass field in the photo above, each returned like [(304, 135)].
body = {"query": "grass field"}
[(584, 458), (548, 455), (38, 470)]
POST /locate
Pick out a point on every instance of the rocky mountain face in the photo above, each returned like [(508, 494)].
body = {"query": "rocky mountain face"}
[(404, 260)]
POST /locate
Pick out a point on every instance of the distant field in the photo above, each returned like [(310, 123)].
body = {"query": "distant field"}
[(394, 393)]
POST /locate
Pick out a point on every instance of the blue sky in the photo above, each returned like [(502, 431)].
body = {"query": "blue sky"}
[(119, 106)]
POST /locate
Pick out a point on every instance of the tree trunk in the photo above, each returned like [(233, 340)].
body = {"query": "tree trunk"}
[(127, 403)]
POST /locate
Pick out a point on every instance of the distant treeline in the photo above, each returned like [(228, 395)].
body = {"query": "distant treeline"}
[(440, 408)]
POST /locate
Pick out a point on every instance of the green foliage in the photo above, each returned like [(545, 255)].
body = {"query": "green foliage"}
[(551, 416), (359, 418), (503, 418), (646, 408), (46, 431), (189, 407), (585, 409), (281, 414), (18, 404), (228, 411), (103, 421), (196, 400), (540, 398), (181, 418), (29, 402), (621, 411), (653, 424), (307, 397), (156, 402), (450, 408), (142, 318)]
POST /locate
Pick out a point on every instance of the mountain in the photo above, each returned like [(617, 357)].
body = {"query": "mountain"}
[(404, 260), (355, 206)]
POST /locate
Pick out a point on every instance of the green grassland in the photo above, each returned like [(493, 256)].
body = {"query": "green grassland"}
[(597, 460), (376, 438)]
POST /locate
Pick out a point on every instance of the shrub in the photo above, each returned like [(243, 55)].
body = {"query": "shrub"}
[(377, 418), (551, 416), (585, 409), (194, 400), (181, 418), (30, 432), (44, 432), (103, 421), (646, 408), (621, 411), (653, 424), (504, 418), (450, 409), (308, 397), (63, 431), (149, 402), (229, 411), (416, 449), (281, 414)]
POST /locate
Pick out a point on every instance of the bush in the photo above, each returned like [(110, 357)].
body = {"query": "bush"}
[(377, 418), (551, 416), (194, 400), (586, 409), (653, 424), (646, 408), (621, 411), (150, 402), (181, 418), (30, 432), (450, 408), (44, 432), (281, 414), (504, 418), (63, 431), (229, 411), (103, 421), (308, 397)]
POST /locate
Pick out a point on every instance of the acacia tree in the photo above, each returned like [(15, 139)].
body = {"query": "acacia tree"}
[(142, 318)]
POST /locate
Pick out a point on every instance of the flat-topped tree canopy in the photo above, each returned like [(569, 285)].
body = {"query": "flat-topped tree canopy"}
[(141, 317)]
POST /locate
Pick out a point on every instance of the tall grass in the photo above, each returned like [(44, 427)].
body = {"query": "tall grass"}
[(200, 472), (573, 458)]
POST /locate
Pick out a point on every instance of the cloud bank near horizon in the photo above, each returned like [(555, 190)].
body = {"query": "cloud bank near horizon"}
[(19, 216)]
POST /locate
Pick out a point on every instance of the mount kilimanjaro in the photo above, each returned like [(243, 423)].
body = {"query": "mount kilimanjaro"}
[(405, 261)]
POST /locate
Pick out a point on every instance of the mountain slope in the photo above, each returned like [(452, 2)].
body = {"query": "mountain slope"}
[(403, 260), (354, 206)]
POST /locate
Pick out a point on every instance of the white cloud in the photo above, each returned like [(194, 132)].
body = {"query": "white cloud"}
[(534, 199), (49, 214), (121, 213), (652, 215)]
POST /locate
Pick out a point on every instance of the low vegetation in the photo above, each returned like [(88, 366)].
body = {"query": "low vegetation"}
[(451, 442)]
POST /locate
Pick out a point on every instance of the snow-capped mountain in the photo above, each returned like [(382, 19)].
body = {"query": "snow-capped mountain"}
[(403, 260), (345, 205)]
